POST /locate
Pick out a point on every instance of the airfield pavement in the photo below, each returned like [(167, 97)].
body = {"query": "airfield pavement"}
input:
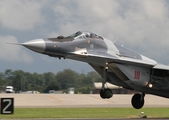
[(86, 119), (80, 100)]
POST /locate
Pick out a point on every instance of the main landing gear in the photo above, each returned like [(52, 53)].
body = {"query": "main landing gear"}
[(105, 92), (137, 100)]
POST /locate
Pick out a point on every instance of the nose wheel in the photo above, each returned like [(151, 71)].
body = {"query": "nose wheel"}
[(106, 93), (137, 101)]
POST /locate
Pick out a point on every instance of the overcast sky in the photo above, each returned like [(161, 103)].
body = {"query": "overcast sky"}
[(140, 25)]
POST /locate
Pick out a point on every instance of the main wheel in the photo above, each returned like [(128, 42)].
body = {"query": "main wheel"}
[(136, 101)]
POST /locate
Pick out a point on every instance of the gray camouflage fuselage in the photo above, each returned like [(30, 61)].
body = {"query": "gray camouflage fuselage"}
[(125, 67)]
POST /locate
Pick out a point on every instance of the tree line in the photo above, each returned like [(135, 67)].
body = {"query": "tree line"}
[(61, 81)]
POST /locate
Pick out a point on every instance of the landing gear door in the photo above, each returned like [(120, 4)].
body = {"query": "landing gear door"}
[(137, 75)]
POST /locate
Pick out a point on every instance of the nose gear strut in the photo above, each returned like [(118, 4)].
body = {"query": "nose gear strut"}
[(105, 92)]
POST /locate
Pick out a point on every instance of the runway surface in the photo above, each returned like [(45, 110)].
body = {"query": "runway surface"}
[(80, 100), (85, 119)]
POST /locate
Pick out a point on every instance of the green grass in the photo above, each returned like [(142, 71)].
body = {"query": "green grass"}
[(87, 113)]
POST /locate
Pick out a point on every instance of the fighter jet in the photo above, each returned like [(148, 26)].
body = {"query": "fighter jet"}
[(115, 64)]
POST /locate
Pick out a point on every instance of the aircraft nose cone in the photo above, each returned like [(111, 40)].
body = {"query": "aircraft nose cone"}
[(37, 45)]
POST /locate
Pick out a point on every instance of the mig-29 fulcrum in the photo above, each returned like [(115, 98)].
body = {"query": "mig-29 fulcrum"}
[(115, 64)]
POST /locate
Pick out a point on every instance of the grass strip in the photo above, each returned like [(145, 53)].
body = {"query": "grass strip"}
[(87, 113)]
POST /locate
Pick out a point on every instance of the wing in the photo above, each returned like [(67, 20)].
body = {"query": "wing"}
[(161, 67), (102, 58)]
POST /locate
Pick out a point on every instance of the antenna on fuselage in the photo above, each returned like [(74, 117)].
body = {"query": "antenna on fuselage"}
[(115, 40)]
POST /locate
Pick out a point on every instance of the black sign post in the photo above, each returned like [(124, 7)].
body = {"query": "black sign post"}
[(7, 105)]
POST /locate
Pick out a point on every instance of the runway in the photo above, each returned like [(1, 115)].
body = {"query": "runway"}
[(77, 101), (80, 100), (83, 119)]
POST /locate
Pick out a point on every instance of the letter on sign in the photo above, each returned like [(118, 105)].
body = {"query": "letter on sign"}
[(7, 105)]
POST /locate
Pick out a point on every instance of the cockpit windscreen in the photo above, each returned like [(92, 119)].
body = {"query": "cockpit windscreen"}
[(83, 34)]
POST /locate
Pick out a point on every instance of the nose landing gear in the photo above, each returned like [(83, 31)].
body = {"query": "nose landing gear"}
[(105, 92)]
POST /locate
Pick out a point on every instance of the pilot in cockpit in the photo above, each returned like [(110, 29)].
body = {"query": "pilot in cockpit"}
[(93, 36), (87, 35)]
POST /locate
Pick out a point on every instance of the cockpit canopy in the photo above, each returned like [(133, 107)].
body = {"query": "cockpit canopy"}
[(85, 34), (77, 35)]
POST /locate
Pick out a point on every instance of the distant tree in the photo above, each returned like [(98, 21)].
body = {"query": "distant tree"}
[(54, 85), (8, 73), (66, 78), (2, 80), (84, 90), (79, 79), (94, 76), (39, 82), (49, 77), (8, 77), (17, 80), (25, 81)]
